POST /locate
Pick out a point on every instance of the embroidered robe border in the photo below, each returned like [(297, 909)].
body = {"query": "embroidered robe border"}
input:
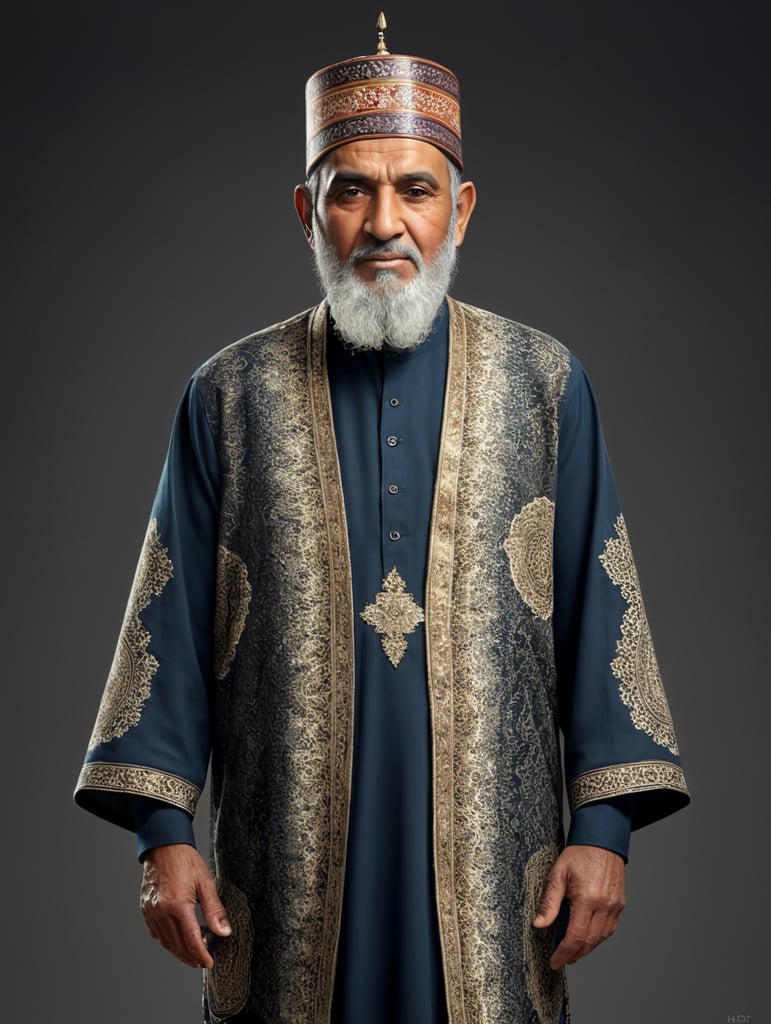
[(440, 664), (342, 654)]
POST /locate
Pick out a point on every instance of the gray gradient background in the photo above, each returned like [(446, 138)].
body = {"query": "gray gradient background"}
[(621, 153)]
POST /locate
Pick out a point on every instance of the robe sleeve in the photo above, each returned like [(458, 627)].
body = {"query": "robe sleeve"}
[(159, 824), (151, 737), (605, 823), (619, 738)]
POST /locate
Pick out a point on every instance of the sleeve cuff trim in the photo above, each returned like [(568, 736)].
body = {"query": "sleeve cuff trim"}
[(622, 779), (141, 781)]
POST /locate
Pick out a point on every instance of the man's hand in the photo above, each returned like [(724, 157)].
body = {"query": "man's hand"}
[(175, 879), (592, 879)]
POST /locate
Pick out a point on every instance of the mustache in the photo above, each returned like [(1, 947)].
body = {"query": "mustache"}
[(375, 249)]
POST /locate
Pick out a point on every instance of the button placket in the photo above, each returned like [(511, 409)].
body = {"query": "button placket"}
[(393, 465)]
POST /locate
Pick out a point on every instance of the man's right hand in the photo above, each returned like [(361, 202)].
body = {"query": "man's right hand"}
[(174, 880)]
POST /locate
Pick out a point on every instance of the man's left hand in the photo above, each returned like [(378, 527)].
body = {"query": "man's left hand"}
[(592, 880)]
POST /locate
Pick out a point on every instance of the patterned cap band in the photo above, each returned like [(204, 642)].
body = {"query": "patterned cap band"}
[(381, 96)]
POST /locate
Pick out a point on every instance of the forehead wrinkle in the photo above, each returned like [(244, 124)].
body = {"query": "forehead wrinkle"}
[(356, 177)]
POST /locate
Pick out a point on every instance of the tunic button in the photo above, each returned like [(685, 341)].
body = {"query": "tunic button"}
[(394, 535), (392, 441), (394, 402), (393, 488)]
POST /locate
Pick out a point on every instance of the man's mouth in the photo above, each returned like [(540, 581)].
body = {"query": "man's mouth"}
[(386, 259)]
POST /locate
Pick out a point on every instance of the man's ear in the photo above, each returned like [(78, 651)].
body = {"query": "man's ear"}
[(467, 200), (303, 203)]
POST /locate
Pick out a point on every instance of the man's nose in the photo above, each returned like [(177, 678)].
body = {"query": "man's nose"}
[(383, 219)]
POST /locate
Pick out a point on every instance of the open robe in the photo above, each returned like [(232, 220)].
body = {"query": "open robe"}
[(245, 645)]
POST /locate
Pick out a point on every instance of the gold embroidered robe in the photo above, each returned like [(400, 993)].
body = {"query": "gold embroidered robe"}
[(280, 695)]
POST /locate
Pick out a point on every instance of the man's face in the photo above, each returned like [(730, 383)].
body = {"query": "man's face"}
[(390, 198)]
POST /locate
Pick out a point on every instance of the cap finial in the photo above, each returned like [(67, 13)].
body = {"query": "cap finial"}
[(382, 25)]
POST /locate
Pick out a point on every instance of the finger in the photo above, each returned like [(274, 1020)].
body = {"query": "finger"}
[(213, 911), (150, 926), (601, 925), (574, 941), (186, 943), (178, 931), (554, 889), (173, 936)]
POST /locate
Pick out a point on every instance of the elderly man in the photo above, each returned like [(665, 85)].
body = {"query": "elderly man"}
[(385, 564)]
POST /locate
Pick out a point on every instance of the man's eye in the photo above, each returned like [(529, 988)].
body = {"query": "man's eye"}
[(416, 192)]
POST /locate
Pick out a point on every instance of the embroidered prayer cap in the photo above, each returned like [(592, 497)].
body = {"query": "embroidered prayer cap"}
[(380, 96)]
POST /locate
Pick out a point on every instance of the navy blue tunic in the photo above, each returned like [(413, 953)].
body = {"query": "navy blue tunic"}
[(388, 416)]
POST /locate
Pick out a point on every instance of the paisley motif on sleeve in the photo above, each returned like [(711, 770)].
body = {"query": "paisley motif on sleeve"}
[(635, 665), (133, 667)]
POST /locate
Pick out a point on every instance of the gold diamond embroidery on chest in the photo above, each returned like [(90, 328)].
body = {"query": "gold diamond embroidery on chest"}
[(393, 615), (635, 664)]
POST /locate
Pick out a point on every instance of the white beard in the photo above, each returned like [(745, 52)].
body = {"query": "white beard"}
[(388, 312)]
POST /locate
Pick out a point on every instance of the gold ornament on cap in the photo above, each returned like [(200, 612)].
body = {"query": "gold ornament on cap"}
[(382, 25)]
